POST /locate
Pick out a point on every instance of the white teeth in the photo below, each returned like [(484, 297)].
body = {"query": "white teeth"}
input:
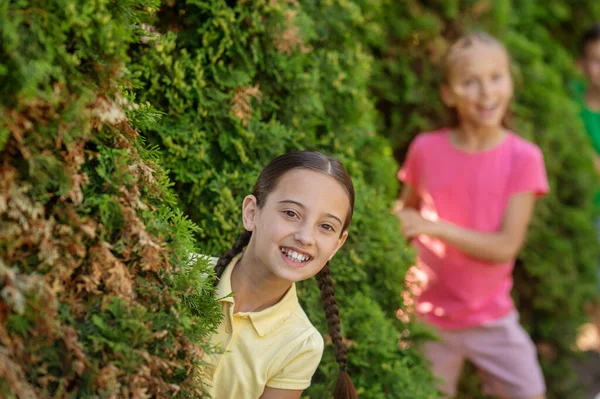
[(294, 255)]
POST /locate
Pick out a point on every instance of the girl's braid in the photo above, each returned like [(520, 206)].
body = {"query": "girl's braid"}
[(332, 313), (344, 388), (236, 248)]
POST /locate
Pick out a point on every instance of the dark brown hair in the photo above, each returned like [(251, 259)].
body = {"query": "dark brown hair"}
[(266, 183), (462, 43), (589, 36)]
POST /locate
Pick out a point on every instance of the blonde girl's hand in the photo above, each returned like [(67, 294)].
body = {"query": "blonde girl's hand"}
[(413, 224)]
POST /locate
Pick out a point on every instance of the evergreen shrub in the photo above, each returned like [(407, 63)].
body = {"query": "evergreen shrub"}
[(241, 83), (95, 235), (95, 301)]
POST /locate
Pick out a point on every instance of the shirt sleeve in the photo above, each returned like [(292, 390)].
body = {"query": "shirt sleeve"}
[(529, 173), (299, 365), (410, 172)]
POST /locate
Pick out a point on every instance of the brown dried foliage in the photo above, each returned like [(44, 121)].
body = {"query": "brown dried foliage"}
[(52, 252), (242, 108), (290, 39)]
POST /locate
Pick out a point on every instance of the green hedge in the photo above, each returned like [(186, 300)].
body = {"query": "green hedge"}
[(311, 79), (249, 82), (93, 237), (92, 243), (241, 83)]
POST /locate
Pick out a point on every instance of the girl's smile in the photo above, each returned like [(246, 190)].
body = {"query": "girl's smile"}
[(295, 257), (488, 111)]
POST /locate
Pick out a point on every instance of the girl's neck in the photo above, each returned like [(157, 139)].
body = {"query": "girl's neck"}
[(255, 288), (469, 138), (592, 98)]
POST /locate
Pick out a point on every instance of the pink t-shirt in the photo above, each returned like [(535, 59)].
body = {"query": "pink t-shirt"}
[(470, 190)]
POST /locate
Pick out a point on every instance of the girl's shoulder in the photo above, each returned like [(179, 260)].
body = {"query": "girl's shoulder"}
[(433, 136), (522, 147), (302, 319), (301, 322), (311, 337), (431, 139), (296, 334)]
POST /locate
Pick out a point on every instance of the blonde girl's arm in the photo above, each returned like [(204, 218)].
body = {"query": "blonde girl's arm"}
[(276, 393), (498, 247)]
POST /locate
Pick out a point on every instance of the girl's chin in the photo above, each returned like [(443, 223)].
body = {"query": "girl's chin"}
[(487, 121)]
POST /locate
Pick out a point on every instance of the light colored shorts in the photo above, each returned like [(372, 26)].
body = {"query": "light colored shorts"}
[(501, 350)]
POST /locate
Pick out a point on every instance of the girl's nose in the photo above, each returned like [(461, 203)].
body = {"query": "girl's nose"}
[(486, 88), (305, 235)]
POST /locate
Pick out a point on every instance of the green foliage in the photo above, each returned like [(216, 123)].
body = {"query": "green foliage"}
[(95, 237), (96, 297), (240, 84)]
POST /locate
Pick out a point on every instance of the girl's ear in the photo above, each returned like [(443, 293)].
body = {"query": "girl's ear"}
[(447, 96), (249, 212)]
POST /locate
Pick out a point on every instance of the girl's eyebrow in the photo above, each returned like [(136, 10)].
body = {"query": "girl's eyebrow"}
[(303, 207)]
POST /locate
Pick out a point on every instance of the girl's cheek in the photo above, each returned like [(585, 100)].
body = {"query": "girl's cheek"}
[(460, 91), (470, 93)]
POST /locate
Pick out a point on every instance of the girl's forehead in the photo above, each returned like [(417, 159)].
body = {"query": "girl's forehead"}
[(478, 56), (313, 189)]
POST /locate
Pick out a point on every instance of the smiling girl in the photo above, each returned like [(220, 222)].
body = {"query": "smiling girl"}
[(468, 196), (295, 221)]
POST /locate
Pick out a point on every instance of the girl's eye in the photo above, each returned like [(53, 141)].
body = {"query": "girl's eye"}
[(496, 77), (469, 82), (290, 214), (328, 227)]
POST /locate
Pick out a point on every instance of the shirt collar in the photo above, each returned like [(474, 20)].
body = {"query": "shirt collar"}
[(266, 320)]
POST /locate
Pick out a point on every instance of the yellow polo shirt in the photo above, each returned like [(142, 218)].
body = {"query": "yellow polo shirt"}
[(277, 347)]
